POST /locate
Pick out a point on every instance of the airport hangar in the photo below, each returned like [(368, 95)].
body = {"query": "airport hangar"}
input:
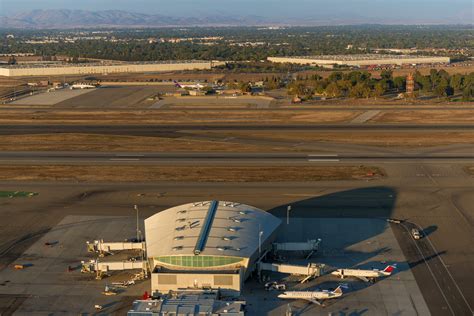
[(207, 245), (361, 60), (61, 68)]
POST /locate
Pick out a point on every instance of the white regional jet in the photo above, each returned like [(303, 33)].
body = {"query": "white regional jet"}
[(192, 86), (313, 296), (82, 86), (364, 275)]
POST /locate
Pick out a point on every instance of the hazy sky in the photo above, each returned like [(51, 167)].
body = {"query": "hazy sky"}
[(434, 11)]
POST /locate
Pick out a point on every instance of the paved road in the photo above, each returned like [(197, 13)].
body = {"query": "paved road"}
[(148, 130), (225, 158), (443, 287)]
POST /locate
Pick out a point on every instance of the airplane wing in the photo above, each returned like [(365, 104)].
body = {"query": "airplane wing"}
[(315, 302), (363, 278)]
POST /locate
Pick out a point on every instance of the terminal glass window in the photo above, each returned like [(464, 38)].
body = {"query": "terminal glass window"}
[(198, 261)]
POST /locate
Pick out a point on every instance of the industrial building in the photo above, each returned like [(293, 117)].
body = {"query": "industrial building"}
[(207, 245), (360, 60), (189, 303), (60, 68)]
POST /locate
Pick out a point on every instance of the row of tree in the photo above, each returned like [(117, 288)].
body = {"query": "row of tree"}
[(242, 43), (360, 84)]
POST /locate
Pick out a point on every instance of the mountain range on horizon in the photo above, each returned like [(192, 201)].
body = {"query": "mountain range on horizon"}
[(69, 19)]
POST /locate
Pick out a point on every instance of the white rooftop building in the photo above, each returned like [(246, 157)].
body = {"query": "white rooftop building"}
[(207, 245)]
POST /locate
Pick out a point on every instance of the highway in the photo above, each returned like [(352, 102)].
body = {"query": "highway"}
[(75, 157), (150, 130)]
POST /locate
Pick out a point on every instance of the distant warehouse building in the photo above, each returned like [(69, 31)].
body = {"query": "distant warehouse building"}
[(207, 245), (55, 69), (360, 60)]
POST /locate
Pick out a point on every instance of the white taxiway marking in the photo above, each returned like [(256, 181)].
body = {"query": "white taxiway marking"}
[(322, 155), (322, 160), (129, 155)]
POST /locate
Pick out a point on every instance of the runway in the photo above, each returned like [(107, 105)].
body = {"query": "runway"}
[(86, 157), (153, 130)]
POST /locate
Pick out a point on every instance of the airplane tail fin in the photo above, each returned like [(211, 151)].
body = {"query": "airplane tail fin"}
[(389, 269), (176, 84), (341, 286)]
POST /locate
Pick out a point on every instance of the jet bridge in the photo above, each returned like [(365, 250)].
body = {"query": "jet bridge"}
[(95, 265), (312, 269), (101, 246), (310, 247)]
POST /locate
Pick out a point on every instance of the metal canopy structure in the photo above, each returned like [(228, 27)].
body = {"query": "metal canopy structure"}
[(213, 230)]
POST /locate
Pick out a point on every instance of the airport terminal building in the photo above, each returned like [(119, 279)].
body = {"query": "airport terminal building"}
[(207, 245)]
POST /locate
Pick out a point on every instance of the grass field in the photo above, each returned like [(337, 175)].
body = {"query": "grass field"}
[(173, 117), (12, 194), (93, 142), (187, 173), (426, 117), (224, 141), (470, 170), (255, 116), (405, 139)]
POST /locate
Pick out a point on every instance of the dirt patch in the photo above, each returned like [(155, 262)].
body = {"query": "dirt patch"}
[(187, 173)]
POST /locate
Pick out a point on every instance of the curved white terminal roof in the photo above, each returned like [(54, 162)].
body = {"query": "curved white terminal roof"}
[(209, 228)]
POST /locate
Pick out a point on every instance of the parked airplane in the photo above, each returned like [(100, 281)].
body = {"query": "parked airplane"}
[(315, 297), (192, 86), (364, 275), (82, 86)]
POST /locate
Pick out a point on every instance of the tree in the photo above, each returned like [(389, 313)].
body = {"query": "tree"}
[(360, 90), (333, 90), (399, 83), (456, 82), (441, 89), (468, 93), (424, 82), (379, 89), (386, 74), (335, 76)]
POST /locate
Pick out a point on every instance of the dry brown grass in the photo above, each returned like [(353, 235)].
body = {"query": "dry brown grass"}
[(186, 173), (172, 117), (469, 170), (425, 117), (432, 138), (97, 142)]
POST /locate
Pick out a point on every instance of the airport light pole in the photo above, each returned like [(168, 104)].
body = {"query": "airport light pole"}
[(260, 243), (288, 209), (138, 231)]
